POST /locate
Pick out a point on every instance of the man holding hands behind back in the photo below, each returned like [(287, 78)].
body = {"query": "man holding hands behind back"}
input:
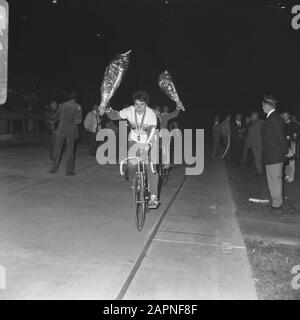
[(69, 115), (274, 150)]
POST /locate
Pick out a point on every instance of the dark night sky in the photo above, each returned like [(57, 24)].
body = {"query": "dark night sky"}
[(223, 55)]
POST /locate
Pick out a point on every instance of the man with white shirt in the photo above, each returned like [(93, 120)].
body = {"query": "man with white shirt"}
[(274, 150), (143, 122)]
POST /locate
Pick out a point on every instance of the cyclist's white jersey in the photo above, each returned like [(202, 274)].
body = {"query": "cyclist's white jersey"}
[(139, 123)]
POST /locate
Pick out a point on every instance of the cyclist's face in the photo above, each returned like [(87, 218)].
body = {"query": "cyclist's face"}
[(140, 106)]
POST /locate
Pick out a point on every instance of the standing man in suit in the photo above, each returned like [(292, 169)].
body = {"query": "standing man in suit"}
[(69, 115), (274, 150), (237, 132)]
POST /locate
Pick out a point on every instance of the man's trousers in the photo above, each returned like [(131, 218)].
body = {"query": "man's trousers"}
[(245, 152), (236, 150), (226, 144), (290, 168), (93, 143), (257, 159), (51, 141), (69, 162), (216, 144), (274, 178)]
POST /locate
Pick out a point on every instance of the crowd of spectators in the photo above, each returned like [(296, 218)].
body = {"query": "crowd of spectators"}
[(26, 106), (272, 142)]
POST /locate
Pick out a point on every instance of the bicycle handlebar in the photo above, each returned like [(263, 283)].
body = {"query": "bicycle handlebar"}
[(138, 159)]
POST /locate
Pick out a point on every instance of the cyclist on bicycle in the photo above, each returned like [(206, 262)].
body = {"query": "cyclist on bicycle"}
[(142, 120)]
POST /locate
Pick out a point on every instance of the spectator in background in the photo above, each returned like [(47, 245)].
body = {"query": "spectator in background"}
[(92, 123), (245, 145), (63, 96), (31, 101), (69, 115), (216, 133), (165, 116), (254, 141), (164, 122), (237, 133), (292, 131), (226, 133), (50, 111), (157, 111), (295, 120), (174, 125), (274, 150), (112, 124)]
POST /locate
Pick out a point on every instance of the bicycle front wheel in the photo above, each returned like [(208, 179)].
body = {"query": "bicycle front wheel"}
[(139, 201)]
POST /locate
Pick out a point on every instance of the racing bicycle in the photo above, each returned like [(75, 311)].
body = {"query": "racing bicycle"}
[(141, 190)]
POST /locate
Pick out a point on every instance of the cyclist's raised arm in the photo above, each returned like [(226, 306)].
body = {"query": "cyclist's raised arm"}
[(117, 115)]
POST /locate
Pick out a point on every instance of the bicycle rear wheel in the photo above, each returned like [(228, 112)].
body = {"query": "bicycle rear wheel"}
[(139, 201)]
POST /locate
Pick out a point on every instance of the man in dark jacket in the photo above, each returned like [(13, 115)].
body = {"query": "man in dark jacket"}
[(274, 150), (69, 115)]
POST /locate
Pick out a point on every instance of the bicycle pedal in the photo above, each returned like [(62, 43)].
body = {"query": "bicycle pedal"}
[(153, 205)]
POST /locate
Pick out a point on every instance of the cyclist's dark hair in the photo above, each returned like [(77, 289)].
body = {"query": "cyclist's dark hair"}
[(141, 96)]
